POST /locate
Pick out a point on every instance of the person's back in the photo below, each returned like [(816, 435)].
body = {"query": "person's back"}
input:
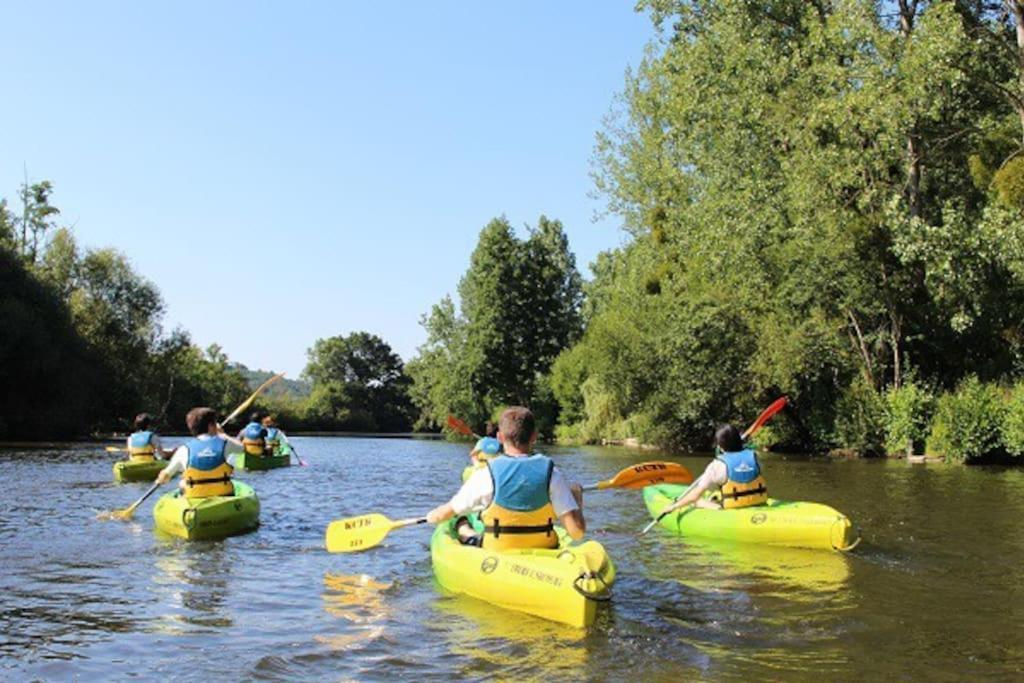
[(144, 444), (253, 436), (520, 514), (203, 458)]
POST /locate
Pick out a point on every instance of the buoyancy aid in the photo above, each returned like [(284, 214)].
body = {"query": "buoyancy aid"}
[(745, 486), (487, 447), (273, 439), (208, 472), (520, 514), (140, 446), (253, 439)]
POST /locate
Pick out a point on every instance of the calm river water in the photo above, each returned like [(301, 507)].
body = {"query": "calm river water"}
[(934, 592)]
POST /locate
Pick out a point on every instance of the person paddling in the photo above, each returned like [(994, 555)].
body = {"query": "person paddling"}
[(519, 495), (144, 444), (203, 459), (254, 436), (487, 446), (734, 475), (275, 436)]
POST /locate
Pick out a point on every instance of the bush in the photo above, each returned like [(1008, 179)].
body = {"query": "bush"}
[(1013, 422), (907, 414), (968, 422), (860, 419)]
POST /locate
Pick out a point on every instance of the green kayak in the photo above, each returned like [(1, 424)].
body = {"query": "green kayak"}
[(282, 458), (207, 519), (778, 522), (137, 470)]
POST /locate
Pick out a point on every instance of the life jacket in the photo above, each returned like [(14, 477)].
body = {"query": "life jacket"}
[(487, 447), (208, 472), (273, 439), (140, 447), (253, 439), (520, 514), (745, 486)]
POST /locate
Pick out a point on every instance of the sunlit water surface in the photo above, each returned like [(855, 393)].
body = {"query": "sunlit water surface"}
[(933, 593)]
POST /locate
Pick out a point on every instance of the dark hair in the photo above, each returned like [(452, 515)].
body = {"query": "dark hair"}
[(142, 421), (728, 439), (517, 426), (491, 430), (257, 416), (200, 419)]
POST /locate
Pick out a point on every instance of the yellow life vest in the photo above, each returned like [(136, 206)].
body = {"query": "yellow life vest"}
[(207, 483), (520, 514), (746, 485), (140, 447), (253, 439)]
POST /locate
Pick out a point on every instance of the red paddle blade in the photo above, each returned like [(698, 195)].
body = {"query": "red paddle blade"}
[(459, 426), (765, 415)]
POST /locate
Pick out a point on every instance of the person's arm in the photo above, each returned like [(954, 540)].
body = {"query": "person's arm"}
[(475, 494), (715, 474), (567, 500), (159, 450), (178, 463)]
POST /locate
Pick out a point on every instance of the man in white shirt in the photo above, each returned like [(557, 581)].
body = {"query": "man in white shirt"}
[(521, 495)]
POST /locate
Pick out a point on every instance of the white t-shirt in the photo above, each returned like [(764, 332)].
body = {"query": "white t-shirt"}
[(478, 492), (715, 475), (179, 461)]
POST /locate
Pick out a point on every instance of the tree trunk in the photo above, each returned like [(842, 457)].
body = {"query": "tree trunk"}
[(1016, 8), (908, 11)]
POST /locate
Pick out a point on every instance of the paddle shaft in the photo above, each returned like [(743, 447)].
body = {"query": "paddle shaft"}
[(131, 508)]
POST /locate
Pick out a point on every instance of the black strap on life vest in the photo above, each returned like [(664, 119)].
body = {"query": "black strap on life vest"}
[(498, 530), (217, 480), (736, 495)]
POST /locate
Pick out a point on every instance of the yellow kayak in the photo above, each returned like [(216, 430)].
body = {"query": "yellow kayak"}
[(565, 584), (779, 522)]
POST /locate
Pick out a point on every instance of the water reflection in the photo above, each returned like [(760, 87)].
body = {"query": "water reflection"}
[(195, 582), (359, 600)]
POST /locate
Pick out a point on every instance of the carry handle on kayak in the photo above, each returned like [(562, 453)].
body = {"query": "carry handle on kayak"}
[(766, 414), (644, 474)]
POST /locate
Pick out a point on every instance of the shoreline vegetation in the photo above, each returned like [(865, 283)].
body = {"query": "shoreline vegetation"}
[(822, 200)]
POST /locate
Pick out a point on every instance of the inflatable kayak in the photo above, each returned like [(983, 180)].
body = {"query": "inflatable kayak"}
[(204, 519), (779, 522), (137, 470), (246, 461), (565, 584)]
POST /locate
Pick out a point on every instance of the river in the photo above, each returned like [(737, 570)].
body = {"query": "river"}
[(934, 592)]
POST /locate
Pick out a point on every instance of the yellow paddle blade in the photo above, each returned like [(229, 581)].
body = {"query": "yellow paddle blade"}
[(248, 402), (123, 515), (357, 533), (648, 474), (113, 449)]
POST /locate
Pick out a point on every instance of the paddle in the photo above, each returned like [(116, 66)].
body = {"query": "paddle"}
[(766, 414), (248, 402), (363, 532), (645, 474), (127, 513), (461, 427), (114, 449), (296, 454)]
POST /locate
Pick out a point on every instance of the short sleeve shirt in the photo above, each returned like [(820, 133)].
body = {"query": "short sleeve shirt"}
[(478, 492)]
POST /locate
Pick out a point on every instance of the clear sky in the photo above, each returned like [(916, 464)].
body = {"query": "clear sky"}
[(295, 170)]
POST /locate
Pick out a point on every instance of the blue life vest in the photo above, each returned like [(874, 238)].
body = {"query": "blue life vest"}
[(252, 439), (206, 454), (140, 439), (745, 486), (520, 514), (272, 434), (488, 445), (253, 430)]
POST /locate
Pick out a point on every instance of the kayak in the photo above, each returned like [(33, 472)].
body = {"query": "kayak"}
[(137, 470), (283, 458), (564, 584), (204, 519), (778, 522)]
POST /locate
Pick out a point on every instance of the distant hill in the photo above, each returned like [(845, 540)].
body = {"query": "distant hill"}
[(283, 387)]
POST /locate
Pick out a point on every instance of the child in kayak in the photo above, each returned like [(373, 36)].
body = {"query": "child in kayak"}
[(734, 474), (143, 443), (274, 437), (487, 446), (254, 436), (203, 458), (519, 495)]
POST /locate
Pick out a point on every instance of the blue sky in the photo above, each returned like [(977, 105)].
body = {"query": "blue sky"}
[(291, 171)]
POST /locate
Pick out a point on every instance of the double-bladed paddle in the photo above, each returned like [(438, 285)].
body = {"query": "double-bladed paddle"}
[(766, 414), (127, 512), (365, 531), (461, 427)]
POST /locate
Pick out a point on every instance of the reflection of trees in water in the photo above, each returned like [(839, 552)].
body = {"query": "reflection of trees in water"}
[(741, 603), (359, 600), (196, 580)]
